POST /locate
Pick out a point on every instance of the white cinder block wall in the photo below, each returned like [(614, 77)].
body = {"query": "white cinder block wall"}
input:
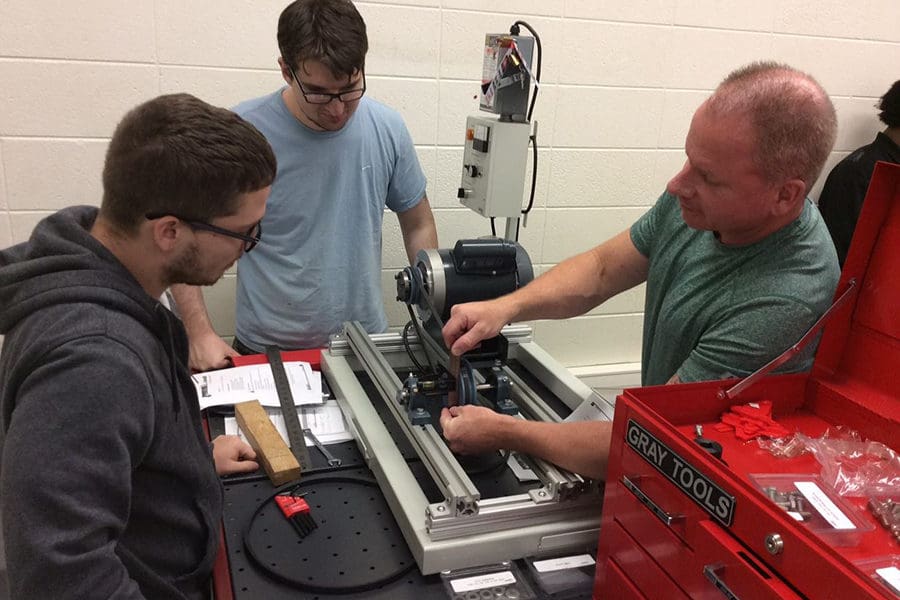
[(620, 82)]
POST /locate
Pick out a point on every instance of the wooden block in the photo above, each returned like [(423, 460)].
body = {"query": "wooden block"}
[(276, 458)]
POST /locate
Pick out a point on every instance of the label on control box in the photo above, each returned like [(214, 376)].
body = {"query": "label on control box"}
[(693, 482)]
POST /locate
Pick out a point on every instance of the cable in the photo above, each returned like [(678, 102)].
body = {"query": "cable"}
[(303, 585), (409, 351), (514, 30), (534, 169)]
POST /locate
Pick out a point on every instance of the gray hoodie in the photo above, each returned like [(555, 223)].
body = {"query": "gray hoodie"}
[(108, 485)]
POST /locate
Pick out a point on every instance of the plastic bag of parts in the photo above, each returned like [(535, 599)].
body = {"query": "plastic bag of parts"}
[(851, 465), (785, 447)]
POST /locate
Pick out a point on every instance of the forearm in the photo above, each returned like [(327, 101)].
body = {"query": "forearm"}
[(581, 447), (562, 292), (580, 283), (418, 229), (192, 308), (421, 239)]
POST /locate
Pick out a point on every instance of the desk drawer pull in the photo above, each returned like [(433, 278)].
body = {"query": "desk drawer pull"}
[(667, 518), (711, 573)]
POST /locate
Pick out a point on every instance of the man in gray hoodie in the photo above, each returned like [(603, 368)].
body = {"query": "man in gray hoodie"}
[(109, 487)]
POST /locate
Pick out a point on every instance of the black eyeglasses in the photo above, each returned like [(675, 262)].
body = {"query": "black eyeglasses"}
[(250, 239), (325, 97)]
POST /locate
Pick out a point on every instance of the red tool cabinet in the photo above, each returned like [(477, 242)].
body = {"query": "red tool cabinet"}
[(679, 523)]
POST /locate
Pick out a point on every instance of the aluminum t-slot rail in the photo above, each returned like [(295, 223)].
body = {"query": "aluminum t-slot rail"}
[(445, 535), (559, 484), (461, 494)]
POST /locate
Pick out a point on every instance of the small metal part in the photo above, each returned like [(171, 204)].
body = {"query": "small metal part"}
[(698, 431), (774, 544), (333, 461)]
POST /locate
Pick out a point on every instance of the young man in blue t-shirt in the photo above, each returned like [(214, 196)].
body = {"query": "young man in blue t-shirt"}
[(342, 158)]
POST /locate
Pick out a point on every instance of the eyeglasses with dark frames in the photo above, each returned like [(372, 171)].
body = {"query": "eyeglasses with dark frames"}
[(326, 97), (251, 238)]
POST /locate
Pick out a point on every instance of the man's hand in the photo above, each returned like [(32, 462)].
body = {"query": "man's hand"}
[(474, 429), (233, 455), (472, 322), (209, 351)]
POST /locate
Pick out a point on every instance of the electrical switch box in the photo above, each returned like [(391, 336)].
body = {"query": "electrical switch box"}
[(493, 171)]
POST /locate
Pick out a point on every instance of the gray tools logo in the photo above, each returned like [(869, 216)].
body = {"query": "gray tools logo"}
[(692, 482)]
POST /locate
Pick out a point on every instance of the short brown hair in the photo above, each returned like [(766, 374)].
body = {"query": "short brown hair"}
[(330, 31), (889, 105), (792, 115), (178, 155)]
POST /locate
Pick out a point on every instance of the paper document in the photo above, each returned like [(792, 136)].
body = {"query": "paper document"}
[(255, 382), (326, 422)]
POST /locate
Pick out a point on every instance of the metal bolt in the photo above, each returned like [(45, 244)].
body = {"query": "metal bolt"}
[(774, 544), (441, 508), (542, 493)]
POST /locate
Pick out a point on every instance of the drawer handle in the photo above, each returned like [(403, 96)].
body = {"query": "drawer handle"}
[(667, 518), (711, 573)]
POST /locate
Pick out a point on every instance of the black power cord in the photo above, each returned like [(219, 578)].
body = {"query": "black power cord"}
[(305, 585), (514, 30), (409, 352)]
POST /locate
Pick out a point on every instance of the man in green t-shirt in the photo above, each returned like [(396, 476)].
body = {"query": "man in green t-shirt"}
[(737, 260)]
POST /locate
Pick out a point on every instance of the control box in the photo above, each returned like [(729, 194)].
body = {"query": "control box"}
[(493, 171)]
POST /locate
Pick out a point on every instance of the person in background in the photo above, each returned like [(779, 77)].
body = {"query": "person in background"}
[(110, 488), (737, 260), (845, 188), (343, 157)]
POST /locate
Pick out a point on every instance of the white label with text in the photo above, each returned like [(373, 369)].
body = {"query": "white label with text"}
[(479, 582), (563, 562), (822, 503)]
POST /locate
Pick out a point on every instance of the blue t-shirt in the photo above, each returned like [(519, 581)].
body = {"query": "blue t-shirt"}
[(715, 311), (319, 261)]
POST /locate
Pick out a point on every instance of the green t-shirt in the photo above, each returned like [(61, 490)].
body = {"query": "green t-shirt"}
[(714, 311)]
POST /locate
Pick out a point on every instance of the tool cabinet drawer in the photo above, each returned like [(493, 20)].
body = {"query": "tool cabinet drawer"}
[(638, 566), (617, 587)]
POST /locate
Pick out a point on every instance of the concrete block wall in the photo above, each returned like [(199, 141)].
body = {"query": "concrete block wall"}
[(620, 82)]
